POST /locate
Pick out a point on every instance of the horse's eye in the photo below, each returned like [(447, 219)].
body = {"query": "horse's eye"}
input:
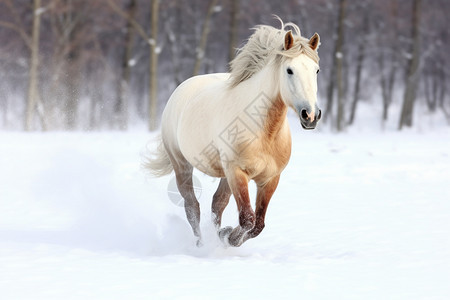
[(289, 71), (318, 70)]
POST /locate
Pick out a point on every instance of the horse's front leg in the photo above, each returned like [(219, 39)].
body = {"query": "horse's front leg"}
[(263, 196), (238, 181)]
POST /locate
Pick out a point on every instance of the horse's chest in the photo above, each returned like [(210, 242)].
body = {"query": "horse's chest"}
[(266, 160)]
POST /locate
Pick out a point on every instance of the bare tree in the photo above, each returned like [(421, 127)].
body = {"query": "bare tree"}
[(412, 77), (33, 93), (17, 27), (328, 115), (443, 105), (154, 51), (174, 29), (152, 41), (388, 72), (121, 105), (336, 79), (339, 66), (4, 106), (204, 37), (75, 19), (234, 19), (359, 64), (432, 82), (71, 51)]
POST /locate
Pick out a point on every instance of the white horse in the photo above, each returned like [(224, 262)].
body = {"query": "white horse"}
[(234, 126)]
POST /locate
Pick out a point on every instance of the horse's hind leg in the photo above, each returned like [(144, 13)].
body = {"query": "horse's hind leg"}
[(183, 172), (220, 201)]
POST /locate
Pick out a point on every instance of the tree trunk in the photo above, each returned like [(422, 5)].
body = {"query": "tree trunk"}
[(33, 92), (73, 80), (360, 60), (96, 98), (390, 86), (336, 76), (331, 83), (339, 66), (359, 65), (330, 93), (74, 25), (387, 83), (234, 19), (204, 38), (431, 85), (406, 117), (175, 36), (4, 103), (443, 89), (121, 105), (154, 51), (442, 94), (388, 73), (445, 110)]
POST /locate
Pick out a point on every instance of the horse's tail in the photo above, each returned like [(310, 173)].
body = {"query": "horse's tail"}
[(158, 162)]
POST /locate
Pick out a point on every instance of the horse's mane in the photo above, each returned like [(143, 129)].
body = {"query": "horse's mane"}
[(264, 45)]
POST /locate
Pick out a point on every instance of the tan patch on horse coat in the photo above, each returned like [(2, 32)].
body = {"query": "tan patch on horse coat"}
[(268, 155)]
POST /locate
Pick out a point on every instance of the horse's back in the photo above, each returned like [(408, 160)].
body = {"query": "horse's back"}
[(187, 115), (188, 90)]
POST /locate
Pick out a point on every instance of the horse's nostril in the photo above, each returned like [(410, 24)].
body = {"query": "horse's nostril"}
[(319, 115), (304, 114)]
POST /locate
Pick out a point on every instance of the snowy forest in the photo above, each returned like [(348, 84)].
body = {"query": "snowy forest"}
[(112, 64)]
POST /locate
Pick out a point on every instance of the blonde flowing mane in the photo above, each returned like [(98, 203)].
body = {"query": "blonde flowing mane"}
[(266, 44)]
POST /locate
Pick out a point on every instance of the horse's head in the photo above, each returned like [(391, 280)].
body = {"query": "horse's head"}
[(298, 78)]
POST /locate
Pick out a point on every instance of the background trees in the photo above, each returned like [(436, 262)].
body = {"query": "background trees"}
[(112, 64)]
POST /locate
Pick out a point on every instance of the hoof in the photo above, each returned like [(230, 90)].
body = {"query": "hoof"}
[(224, 233), (247, 221), (199, 243)]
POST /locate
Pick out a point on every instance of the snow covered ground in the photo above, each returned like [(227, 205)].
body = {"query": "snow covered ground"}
[(355, 216)]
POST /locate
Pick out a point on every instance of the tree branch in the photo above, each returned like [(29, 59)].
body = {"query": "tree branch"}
[(133, 22), (19, 30)]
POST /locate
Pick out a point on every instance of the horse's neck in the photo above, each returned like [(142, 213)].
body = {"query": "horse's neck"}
[(261, 88), (265, 81), (276, 117)]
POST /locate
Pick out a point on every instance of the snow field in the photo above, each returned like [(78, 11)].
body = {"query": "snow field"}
[(355, 216)]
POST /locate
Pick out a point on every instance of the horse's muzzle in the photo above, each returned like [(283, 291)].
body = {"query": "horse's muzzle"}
[(308, 120)]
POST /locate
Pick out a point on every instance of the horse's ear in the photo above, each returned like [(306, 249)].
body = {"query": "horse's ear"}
[(288, 40), (314, 41)]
